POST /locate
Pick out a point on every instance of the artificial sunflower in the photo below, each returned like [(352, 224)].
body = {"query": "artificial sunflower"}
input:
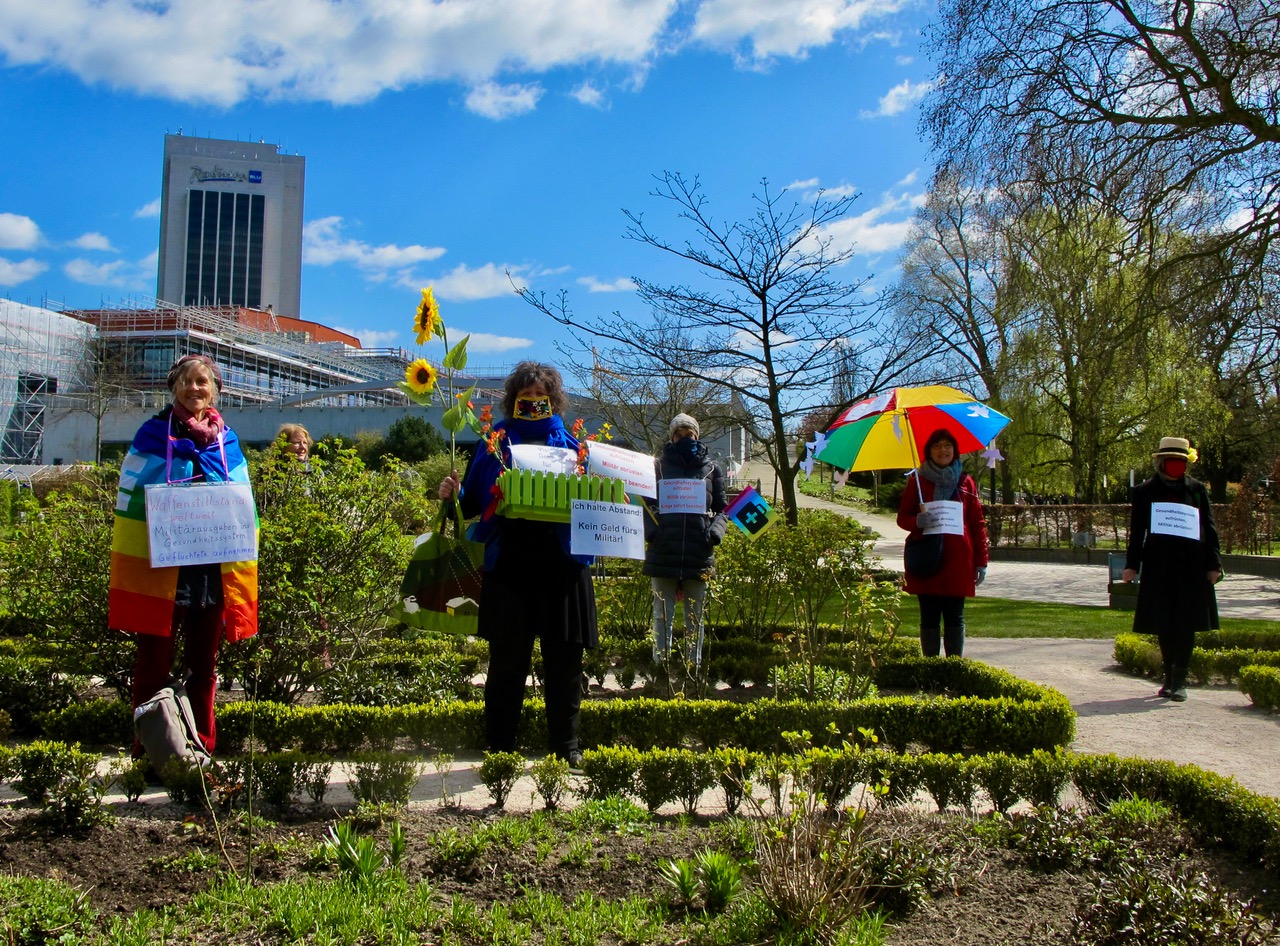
[(421, 376), (427, 322)]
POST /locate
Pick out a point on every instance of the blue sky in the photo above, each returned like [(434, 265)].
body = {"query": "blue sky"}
[(450, 142)]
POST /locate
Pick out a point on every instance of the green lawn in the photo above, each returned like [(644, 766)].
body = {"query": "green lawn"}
[(998, 617)]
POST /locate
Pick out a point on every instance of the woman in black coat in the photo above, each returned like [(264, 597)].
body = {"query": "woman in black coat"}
[(1173, 545), (680, 556)]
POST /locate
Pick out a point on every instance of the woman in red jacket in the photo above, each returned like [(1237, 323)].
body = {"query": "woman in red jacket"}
[(941, 479)]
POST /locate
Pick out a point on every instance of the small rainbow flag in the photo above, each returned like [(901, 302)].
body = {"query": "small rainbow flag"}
[(750, 513)]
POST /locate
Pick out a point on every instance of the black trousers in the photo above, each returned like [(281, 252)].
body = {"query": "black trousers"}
[(510, 659), (1176, 647), (947, 611)]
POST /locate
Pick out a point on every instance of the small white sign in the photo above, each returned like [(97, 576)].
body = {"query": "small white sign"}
[(682, 495), (537, 456), (613, 529), (949, 515), (634, 469), (201, 523), (1175, 519)]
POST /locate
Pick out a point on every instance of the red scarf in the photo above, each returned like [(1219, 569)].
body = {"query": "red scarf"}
[(203, 431)]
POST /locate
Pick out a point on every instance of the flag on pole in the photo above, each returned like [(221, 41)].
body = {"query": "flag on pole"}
[(750, 513)]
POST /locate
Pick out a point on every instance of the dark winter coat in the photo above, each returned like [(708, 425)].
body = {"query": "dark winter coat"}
[(1174, 592), (961, 554), (682, 545)]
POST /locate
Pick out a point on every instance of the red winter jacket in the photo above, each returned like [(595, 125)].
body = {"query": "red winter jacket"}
[(961, 555)]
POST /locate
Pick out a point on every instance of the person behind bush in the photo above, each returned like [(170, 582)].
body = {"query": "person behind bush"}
[(533, 587), (293, 440), (939, 477), (1173, 547), (186, 442), (680, 555)]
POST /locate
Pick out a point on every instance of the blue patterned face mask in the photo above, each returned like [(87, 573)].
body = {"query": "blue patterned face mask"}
[(532, 408)]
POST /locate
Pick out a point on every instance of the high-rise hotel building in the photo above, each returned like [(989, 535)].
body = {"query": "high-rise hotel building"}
[(230, 225)]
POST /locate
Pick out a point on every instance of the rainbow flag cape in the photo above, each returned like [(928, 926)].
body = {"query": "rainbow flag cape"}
[(140, 599)]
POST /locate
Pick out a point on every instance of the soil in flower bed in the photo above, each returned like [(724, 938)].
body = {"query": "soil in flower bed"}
[(153, 856)]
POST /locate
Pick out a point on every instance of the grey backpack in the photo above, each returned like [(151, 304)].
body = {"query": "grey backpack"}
[(166, 727)]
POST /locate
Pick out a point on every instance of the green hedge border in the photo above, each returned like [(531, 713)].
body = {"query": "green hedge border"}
[(959, 706)]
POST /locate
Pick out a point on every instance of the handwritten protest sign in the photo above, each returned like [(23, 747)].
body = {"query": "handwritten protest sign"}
[(536, 456), (1175, 519), (634, 469), (201, 523), (613, 529), (682, 495), (948, 517)]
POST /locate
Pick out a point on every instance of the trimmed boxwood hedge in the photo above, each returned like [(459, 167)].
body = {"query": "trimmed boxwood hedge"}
[(954, 706)]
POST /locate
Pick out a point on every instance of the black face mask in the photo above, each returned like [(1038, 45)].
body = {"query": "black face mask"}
[(689, 448)]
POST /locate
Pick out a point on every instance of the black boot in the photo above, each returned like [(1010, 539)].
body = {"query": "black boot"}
[(1178, 693), (1167, 687)]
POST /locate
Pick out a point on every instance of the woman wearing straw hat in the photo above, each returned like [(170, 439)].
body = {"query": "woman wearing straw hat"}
[(1173, 545)]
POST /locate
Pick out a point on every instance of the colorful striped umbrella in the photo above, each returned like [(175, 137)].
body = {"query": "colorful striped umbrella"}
[(888, 431)]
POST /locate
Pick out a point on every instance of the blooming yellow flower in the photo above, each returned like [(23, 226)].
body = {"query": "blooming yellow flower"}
[(427, 322), (421, 376)]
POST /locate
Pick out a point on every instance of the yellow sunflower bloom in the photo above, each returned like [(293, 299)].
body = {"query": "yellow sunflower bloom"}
[(421, 376), (426, 322)]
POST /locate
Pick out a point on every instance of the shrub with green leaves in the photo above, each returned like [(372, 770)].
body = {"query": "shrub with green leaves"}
[(384, 777), (499, 772), (550, 780), (56, 568), (332, 549), (31, 685), (1137, 904)]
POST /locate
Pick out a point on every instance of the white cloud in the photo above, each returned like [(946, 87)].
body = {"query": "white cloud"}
[(463, 284), (344, 53), (811, 187), (18, 232), (590, 94), (901, 97), (772, 28), (503, 101), (323, 244), (483, 343), (93, 241), (97, 274), (119, 274), (622, 284), (317, 50), (14, 273), (882, 228), (147, 211)]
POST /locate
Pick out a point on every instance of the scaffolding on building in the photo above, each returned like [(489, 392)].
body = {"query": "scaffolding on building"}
[(258, 365), (40, 354)]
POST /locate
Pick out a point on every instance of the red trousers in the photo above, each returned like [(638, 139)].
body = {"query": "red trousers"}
[(201, 634)]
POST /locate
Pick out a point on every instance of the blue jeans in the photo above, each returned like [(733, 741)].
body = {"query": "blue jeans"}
[(664, 613), (948, 612)]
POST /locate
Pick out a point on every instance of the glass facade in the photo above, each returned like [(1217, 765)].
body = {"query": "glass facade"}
[(224, 249)]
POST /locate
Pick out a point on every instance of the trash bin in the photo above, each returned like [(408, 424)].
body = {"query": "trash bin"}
[(1122, 595)]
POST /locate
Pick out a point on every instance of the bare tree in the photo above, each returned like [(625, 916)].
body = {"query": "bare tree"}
[(768, 324), (639, 402), (1190, 90), (105, 378)]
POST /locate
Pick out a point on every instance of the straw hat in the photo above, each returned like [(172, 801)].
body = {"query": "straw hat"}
[(1177, 447)]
